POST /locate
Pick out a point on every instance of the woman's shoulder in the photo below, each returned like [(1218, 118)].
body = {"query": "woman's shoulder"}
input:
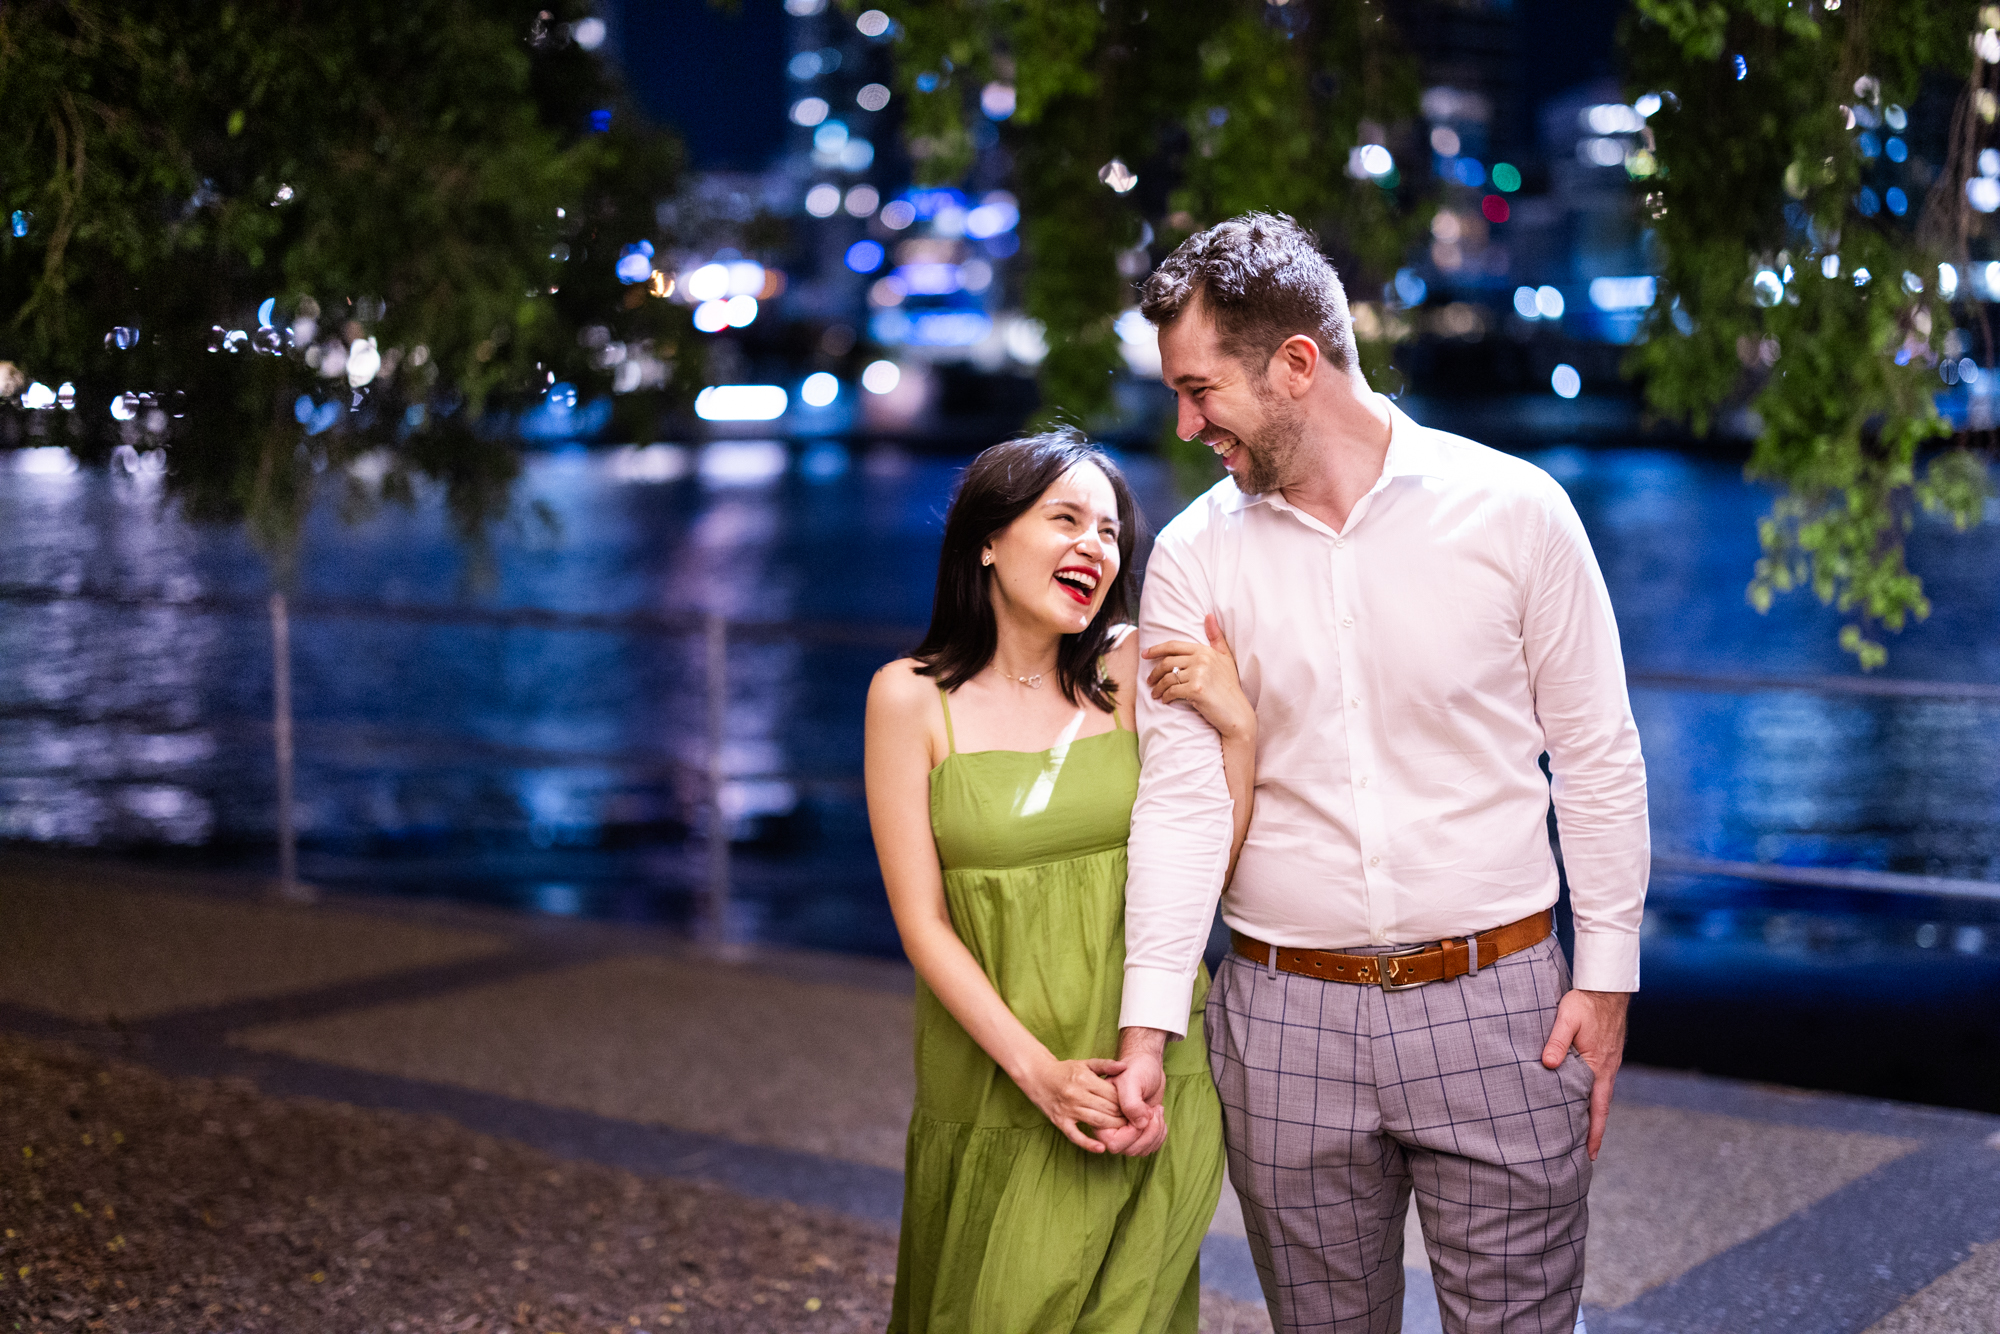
[(902, 703), (1121, 652), (901, 683), (1121, 667)]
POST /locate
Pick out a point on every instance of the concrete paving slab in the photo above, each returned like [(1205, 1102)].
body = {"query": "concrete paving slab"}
[(71, 946), (1964, 1301), (1674, 1188), (1228, 1213), (700, 1046), (1842, 1263), (1718, 1204)]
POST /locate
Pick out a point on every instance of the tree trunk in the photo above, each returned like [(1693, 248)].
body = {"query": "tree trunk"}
[(281, 733), (715, 909)]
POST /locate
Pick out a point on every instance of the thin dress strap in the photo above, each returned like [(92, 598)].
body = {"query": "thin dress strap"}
[(951, 742), (1103, 675)]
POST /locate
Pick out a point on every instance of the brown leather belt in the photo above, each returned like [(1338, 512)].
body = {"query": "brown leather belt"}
[(1401, 969)]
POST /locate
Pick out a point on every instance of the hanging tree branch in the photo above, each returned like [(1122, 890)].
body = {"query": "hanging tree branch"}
[(1805, 218), (1137, 122)]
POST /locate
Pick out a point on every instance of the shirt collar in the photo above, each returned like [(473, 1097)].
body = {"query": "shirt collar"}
[(1414, 451)]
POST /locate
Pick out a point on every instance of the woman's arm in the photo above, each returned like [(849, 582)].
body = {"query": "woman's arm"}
[(899, 758), (1206, 678), (1239, 765), (1121, 665)]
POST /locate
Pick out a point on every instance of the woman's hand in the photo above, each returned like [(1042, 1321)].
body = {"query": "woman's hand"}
[(1069, 1092), (1206, 678)]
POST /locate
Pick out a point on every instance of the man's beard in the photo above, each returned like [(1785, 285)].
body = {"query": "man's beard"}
[(1273, 459)]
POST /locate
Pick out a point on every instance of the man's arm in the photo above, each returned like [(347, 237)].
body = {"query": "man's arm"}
[(1179, 851), (1577, 674)]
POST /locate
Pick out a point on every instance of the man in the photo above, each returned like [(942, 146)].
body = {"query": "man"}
[(1417, 619)]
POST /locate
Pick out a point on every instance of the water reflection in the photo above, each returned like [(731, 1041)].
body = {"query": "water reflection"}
[(563, 769), (100, 720), (558, 900), (1905, 785)]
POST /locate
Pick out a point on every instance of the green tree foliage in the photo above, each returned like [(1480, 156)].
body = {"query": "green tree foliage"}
[(425, 174), (1222, 107), (1792, 287), (1215, 106)]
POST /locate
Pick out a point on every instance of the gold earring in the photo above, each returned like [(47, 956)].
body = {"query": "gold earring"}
[(986, 558)]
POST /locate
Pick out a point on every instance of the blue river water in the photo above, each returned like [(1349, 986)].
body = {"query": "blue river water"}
[(562, 767)]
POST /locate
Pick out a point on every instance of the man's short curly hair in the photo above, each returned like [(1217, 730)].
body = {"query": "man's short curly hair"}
[(1262, 279)]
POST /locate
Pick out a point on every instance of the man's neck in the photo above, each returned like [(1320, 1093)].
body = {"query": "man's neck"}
[(1352, 430)]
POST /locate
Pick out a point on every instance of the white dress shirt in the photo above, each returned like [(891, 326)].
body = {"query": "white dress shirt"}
[(1408, 672)]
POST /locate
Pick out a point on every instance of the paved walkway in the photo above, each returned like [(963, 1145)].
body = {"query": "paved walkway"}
[(1717, 1206)]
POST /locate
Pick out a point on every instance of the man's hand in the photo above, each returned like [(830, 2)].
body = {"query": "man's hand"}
[(1141, 1089), (1069, 1092), (1594, 1023)]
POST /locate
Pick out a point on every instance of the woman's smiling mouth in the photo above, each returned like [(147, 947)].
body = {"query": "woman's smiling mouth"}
[(1079, 581)]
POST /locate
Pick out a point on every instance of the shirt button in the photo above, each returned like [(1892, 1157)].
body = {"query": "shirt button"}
[(1347, 621), (1340, 541), (1353, 703), (1374, 861), (1364, 782)]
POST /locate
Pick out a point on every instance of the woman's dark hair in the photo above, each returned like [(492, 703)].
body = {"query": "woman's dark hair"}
[(1000, 486)]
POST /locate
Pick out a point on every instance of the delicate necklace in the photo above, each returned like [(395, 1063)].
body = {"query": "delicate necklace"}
[(1033, 681)]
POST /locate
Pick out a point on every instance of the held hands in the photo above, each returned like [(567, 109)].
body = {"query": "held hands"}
[(1141, 1085), (1593, 1022), (1204, 677), (1069, 1092)]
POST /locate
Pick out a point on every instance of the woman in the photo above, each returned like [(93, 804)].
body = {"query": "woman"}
[(1002, 766)]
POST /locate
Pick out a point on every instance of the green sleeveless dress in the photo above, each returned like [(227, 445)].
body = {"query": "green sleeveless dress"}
[(1008, 1228)]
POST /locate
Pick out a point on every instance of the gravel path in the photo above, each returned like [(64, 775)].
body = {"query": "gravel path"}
[(131, 1201)]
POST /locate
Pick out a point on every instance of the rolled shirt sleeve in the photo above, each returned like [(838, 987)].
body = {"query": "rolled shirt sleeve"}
[(1183, 819), (1577, 676)]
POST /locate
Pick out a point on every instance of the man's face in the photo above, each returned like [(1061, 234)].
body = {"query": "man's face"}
[(1232, 408)]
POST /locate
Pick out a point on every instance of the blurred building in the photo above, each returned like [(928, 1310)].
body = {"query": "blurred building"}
[(814, 269), (1538, 269), (916, 278), (810, 263)]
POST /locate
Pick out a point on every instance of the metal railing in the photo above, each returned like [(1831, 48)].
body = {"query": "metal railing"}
[(1889, 687), (717, 633), (1823, 877), (1829, 877)]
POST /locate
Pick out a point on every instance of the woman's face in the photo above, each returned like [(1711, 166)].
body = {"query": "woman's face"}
[(1054, 565)]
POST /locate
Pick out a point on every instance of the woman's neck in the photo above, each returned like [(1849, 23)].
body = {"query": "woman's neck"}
[(1020, 652)]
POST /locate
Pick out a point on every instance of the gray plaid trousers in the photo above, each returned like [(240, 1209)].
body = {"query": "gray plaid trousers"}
[(1339, 1099)]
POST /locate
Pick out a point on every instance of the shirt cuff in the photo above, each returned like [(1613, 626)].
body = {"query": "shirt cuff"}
[(1605, 961), (1156, 998)]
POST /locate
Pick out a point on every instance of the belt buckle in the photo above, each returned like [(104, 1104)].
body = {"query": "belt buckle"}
[(1382, 968)]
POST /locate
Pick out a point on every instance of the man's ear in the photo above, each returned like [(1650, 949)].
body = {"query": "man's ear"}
[(1297, 363)]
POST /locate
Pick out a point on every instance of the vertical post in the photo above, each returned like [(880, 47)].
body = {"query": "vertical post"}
[(281, 732), (716, 909)]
